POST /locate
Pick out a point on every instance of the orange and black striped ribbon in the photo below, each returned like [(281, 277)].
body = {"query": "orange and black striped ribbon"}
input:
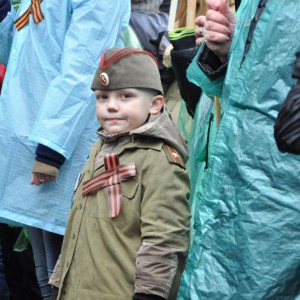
[(111, 178), (35, 9)]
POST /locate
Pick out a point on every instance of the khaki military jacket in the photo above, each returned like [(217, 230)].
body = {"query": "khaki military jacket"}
[(143, 249)]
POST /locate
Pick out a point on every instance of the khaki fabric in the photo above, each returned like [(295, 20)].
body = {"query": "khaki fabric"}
[(99, 253), (39, 167), (127, 67), (55, 276), (156, 270)]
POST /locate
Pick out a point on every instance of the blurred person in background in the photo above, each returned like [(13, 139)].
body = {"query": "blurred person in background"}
[(47, 122)]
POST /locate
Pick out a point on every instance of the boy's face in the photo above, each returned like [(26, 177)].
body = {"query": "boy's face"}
[(123, 110)]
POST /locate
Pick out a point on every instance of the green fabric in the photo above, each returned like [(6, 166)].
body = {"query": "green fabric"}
[(179, 33), (130, 39), (15, 3), (246, 204), (23, 241), (184, 122), (198, 152)]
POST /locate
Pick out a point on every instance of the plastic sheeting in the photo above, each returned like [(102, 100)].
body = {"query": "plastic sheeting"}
[(246, 205), (46, 98)]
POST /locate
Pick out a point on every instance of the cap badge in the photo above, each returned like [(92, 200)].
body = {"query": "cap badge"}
[(104, 80)]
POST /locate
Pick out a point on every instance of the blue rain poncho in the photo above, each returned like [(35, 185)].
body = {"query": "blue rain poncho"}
[(246, 237), (46, 98)]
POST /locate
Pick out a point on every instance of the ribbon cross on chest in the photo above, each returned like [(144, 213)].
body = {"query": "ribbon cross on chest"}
[(35, 9), (111, 178)]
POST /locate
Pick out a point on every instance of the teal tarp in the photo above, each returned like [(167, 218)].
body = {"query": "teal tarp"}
[(246, 213)]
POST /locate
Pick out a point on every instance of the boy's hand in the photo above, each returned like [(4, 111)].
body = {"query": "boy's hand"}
[(43, 173), (218, 27)]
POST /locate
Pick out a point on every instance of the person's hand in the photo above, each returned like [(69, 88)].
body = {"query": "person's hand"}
[(40, 178), (218, 27), (200, 21), (43, 173)]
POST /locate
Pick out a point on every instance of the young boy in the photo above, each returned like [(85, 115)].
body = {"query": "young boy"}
[(128, 231)]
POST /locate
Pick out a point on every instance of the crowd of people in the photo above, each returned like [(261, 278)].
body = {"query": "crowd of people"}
[(103, 193)]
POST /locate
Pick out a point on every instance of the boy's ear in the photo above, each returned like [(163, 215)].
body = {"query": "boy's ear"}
[(156, 105)]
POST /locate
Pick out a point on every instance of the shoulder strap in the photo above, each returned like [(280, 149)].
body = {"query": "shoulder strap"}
[(173, 156)]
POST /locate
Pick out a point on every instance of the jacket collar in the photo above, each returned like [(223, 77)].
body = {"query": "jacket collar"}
[(158, 127)]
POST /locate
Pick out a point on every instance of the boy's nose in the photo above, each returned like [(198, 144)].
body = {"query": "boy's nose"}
[(112, 105)]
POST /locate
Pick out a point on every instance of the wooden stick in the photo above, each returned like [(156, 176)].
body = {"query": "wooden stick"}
[(191, 13), (172, 14), (217, 110)]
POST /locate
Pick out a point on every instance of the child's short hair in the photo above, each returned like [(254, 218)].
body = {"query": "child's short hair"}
[(127, 68)]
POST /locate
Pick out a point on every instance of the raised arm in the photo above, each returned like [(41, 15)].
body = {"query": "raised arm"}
[(218, 27)]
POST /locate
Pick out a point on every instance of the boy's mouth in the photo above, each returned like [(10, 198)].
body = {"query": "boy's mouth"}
[(114, 119)]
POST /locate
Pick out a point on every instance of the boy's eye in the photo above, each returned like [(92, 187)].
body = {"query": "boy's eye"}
[(126, 96), (101, 97)]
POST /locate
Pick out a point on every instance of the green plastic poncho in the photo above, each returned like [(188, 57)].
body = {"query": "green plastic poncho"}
[(246, 204)]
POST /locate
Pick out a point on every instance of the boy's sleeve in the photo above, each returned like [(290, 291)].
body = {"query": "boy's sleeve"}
[(6, 35), (156, 269), (67, 106), (165, 222)]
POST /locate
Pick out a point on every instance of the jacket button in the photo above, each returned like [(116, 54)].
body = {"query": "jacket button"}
[(80, 206), (74, 236)]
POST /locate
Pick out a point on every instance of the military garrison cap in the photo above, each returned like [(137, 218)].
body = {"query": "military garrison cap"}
[(127, 68)]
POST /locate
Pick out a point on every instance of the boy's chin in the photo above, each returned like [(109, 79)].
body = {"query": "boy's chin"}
[(114, 132)]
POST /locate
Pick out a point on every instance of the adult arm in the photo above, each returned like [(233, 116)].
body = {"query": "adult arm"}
[(67, 107), (218, 27), (213, 34), (48, 162)]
